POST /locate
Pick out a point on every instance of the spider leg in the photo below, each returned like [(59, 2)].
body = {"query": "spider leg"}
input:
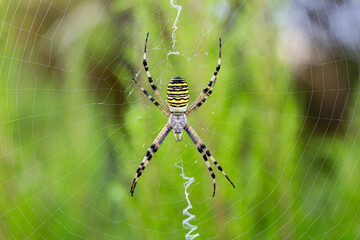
[(205, 152), (188, 113), (154, 88), (149, 153), (200, 149), (151, 98), (191, 109)]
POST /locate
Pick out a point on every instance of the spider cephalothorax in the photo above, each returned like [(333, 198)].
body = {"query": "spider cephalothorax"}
[(177, 112)]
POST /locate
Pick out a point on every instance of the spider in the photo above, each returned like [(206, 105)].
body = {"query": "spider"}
[(177, 112)]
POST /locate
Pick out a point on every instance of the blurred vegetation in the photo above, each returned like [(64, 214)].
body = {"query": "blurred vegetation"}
[(74, 128)]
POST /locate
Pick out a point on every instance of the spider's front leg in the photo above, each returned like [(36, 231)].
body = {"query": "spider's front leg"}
[(149, 153), (205, 154)]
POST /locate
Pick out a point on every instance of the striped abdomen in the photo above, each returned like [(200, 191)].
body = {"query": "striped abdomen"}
[(178, 95)]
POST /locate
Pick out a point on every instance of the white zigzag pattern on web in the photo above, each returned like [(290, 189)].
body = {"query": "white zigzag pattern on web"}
[(173, 36), (186, 222)]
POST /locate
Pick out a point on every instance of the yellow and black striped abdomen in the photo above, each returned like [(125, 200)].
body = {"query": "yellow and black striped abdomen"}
[(178, 95)]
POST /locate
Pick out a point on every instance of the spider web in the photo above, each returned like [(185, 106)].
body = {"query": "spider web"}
[(283, 119)]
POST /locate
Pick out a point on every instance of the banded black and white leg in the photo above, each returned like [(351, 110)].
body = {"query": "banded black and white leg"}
[(152, 84), (200, 149), (167, 113), (205, 153), (193, 107), (149, 154), (203, 100)]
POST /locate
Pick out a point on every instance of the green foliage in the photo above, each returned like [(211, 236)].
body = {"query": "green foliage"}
[(74, 128)]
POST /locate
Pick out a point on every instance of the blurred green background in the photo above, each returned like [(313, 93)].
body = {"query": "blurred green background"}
[(74, 127)]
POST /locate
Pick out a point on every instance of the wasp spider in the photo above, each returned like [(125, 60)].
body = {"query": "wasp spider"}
[(178, 111)]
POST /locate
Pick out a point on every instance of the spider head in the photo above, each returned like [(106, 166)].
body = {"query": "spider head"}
[(178, 95)]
